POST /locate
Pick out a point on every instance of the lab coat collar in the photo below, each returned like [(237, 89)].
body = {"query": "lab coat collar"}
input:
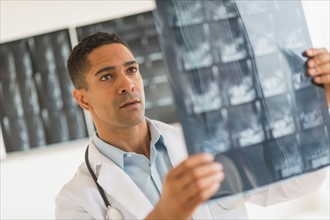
[(174, 142), (111, 178)]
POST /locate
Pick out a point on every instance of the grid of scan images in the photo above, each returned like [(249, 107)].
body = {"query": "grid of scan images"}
[(239, 84), (34, 85), (140, 33)]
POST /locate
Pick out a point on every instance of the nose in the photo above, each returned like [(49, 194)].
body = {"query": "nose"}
[(125, 85)]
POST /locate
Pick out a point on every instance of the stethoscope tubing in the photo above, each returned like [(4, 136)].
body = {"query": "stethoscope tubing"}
[(112, 213), (106, 201)]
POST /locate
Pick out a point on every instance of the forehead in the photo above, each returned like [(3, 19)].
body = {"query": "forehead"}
[(110, 54)]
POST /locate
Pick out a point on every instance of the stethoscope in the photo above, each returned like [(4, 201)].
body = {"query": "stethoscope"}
[(112, 213)]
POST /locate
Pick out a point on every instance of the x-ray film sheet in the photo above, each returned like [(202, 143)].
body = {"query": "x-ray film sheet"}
[(238, 78)]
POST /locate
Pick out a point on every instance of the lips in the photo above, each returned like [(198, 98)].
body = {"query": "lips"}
[(129, 103)]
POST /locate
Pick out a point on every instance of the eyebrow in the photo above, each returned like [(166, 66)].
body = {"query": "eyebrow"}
[(109, 68)]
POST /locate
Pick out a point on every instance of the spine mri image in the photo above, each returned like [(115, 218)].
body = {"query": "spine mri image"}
[(236, 70)]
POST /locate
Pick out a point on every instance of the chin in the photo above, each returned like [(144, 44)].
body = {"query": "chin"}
[(133, 120)]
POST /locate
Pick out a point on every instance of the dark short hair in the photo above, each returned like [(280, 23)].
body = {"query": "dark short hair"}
[(78, 63)]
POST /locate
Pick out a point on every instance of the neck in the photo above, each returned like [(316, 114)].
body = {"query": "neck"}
[(129, 139)]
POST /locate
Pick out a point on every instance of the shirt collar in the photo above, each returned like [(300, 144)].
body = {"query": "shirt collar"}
[(111, 152), (117, 155), (157, 140)]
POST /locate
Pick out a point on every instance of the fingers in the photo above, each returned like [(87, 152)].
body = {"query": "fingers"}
[(194, 168), (322, 79), (203, 188), (188, 185), (196, 179), (315, 51), (191, 162), (204, 171), (323, 69), (318, 65), (318, 60), (205, 194)]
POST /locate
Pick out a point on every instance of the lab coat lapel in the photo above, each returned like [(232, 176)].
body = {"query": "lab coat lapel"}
[(175, 144), (113, 179), (177, 151)]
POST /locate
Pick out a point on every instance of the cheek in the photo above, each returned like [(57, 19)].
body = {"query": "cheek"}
[(140, 83), (141, 88), (100, 98)]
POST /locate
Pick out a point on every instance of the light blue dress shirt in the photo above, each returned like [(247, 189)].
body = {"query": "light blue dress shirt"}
[(147, 174)]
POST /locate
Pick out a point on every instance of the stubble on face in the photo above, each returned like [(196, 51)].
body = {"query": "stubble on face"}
[(110, 110), (130, 108)]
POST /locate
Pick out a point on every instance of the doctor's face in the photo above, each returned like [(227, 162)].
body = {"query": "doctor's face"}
[(115, 94)]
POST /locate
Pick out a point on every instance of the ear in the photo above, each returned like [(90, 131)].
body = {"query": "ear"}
[(80, 97)]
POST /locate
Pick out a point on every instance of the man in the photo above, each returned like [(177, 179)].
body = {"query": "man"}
[(142, 164)]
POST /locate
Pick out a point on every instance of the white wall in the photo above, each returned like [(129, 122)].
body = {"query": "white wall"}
[(25, 18), (317, 13), (31, 180)]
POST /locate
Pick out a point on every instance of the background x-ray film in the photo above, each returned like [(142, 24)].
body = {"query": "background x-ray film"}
[(238, 79)]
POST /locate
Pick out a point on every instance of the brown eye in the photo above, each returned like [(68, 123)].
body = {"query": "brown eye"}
[(106, 77), (132, 69)]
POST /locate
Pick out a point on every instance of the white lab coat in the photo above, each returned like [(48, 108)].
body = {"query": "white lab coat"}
[(80, 198)]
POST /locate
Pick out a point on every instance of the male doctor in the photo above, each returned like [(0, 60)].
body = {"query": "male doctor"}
[(142, 164)]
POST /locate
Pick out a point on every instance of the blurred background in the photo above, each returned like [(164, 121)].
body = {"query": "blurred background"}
[(42, 140)]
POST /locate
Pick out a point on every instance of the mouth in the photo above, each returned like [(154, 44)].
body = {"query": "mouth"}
[(130, 103)]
